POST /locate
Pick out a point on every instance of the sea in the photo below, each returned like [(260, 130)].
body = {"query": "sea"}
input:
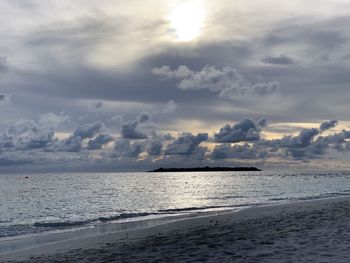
[(42, 204)]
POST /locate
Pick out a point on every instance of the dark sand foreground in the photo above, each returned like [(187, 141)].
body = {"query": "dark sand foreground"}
[(310, 231)]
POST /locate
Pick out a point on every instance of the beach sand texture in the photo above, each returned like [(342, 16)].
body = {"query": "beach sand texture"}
[(308, 231)]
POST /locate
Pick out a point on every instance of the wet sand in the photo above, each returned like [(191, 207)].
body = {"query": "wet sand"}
[(308, 231)]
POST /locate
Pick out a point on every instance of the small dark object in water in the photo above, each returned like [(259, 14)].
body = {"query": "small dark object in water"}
[(26, 177), (206, 169)]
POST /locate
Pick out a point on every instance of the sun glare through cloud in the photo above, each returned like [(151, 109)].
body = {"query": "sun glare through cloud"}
[(187, 20)]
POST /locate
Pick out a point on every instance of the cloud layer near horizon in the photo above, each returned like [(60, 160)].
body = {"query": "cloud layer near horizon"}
[(31, 144)]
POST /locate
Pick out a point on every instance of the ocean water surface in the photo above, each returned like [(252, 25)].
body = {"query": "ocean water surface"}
[(31, 204)]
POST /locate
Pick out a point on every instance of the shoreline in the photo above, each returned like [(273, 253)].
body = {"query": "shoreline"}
[(32, 242), (119, 241)]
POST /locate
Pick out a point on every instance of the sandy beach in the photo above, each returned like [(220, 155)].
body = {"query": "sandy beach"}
[(307, 231)]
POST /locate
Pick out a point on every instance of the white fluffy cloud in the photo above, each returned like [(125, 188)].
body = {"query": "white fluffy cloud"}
[(226, 81)]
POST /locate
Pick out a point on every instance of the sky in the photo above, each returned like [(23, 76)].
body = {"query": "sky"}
[(127, 85)]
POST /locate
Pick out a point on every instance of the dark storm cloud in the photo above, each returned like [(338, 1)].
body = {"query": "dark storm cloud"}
[(185, 144), (279, 60), (99, 141), (130, 131), (246, 130)]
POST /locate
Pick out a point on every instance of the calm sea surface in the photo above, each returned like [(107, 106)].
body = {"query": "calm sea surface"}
[(47, 202)]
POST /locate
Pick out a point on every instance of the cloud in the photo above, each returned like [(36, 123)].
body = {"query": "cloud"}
[(338, 140), (226, 81), (155, 148), (262, 122), (4, 98), (185, 144), (308, 144), (279, 60), (143, 117), (125, 148), (328, 125), (13, 161), (53, 120), (298, 147), (28, 143), (99, 141), (169, 107), (3, 64), (74, 143), (246, 130), (116, 120), (88, 130), (63, 53), (27, 135), (304, 138), (208, 78), (130, 131), (98, 105), (71, 144), (244, 152), (182, 72)]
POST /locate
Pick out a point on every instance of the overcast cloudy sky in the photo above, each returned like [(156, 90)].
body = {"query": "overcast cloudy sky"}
[(130, 85)]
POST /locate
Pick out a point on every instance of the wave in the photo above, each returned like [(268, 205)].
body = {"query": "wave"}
[(189, 209), (126, 216), (62, 224), (227, 197), (66, 224), (311, 197), (185, 209), (69, 224), (326, 195)]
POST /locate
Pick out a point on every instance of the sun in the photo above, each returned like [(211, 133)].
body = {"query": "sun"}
[(187, 20)]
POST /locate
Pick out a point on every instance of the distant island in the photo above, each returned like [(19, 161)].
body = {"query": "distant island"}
[(205, 169)]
